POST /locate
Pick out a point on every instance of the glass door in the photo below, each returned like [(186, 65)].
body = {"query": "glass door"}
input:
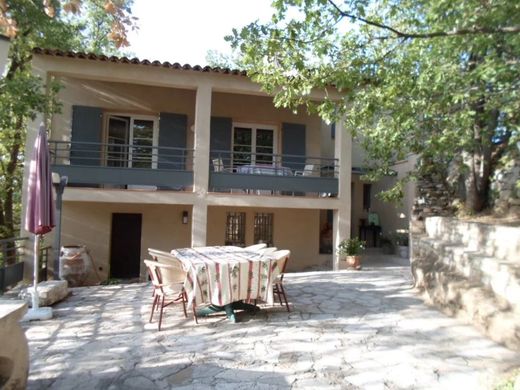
[(117, 141), (253, 144), (131, 142), (242, 139), (264, 146), (142, 141)]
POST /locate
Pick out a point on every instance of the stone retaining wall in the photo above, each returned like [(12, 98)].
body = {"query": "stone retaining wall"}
[(14, 351), (471, 270)]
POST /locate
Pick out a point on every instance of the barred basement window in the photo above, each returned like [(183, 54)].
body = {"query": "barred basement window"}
[(236, 229), (264, 228)]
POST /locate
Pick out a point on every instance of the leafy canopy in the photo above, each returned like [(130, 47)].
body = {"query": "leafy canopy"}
[(440, 78), (83, 25)]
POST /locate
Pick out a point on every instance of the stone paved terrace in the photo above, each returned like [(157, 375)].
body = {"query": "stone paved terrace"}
[(350, 329)]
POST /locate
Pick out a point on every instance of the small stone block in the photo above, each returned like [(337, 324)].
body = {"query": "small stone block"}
[(49, 292)]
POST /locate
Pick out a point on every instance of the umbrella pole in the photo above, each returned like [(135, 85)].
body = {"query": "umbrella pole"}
[(36, 312), (35, 297)]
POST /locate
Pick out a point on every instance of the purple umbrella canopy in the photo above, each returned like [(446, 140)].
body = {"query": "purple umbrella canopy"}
[(39, 215)]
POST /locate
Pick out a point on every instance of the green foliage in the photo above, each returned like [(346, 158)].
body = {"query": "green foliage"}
[(23, 94), (439, 78), (351, 247), (215, 58)]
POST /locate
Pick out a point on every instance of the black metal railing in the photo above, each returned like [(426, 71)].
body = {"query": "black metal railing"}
[(120, 155), (281, 174), (91, 163), (280, 164), (11, 266)]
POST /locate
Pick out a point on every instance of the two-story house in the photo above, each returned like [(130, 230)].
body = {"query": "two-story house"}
[(166, 156)]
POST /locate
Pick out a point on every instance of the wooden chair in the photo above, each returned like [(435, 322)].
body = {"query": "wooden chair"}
[(282, 256), (166, 258), (256, 247), (168, 288)]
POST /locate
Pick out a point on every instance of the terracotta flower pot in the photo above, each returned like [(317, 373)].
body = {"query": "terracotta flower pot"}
[(354, 261)]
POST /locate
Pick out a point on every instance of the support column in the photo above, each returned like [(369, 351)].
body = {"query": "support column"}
[(202, 140), (199, 222), (201, 165), (341, 215)]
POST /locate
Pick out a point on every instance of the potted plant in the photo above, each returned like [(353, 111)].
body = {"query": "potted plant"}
[(402, 242), (350, 249)]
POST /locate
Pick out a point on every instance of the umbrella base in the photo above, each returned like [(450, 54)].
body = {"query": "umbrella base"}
[(40, 313)]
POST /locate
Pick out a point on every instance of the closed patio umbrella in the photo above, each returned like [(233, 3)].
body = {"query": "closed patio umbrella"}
[(39, 216)]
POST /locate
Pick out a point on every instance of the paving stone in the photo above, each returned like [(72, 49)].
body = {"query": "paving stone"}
[(347, 330)]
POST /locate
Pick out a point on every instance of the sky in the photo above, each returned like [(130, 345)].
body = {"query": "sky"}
[(184, 30)]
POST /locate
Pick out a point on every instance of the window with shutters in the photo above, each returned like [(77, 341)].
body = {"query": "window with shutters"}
[(131, 141), (253, 144), (264, 228), (235, 229)]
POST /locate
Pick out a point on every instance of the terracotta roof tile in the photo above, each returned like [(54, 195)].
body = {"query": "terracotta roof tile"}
[(137, 61)]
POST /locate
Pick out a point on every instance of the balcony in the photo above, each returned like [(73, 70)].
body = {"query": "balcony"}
[(89, 164), (277, 174)]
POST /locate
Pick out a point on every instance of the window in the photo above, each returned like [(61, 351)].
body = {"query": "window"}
[(264, 228), (235, 229), (253, 144), (130, 141)]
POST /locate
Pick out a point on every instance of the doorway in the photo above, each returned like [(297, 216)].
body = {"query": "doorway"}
[(125, 249)]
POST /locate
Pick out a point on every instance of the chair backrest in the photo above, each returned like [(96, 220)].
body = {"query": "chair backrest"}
[(268, 251), (155, 276), (255, 247), (218, 164), (308, 170), (176, 273), (282, 256), (161, 256)]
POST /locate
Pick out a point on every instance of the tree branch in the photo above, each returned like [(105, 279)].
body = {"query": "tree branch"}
[(434, 34)]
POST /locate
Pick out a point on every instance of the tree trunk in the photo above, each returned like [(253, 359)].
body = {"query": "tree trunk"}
[(9, 171)]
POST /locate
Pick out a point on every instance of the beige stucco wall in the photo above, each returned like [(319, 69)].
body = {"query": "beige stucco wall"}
[(120, 98), (296, 230), (151, 100), (258, 109), (395, 216), (90, 224)]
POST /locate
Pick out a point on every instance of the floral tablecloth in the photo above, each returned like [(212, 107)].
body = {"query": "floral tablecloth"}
[(220, 275)]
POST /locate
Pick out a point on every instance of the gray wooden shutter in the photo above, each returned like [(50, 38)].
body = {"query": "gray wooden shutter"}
[(220, 139), (87, 125), (293, 144), (172, 134)]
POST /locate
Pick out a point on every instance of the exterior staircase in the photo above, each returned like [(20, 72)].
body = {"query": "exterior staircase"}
[(471, 270)]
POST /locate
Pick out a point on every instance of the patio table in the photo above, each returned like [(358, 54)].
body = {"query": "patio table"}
[(221, 275)]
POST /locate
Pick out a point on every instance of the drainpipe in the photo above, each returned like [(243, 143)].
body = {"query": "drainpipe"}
[(59, 182)]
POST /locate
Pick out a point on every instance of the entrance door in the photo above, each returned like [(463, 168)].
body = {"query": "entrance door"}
[(125, 251)]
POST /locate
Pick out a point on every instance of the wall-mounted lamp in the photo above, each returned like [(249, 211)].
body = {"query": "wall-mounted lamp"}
[(402, 216), (184, 217)]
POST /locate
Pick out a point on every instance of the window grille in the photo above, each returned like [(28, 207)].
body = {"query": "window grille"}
[(236, 229), (264, 228)]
